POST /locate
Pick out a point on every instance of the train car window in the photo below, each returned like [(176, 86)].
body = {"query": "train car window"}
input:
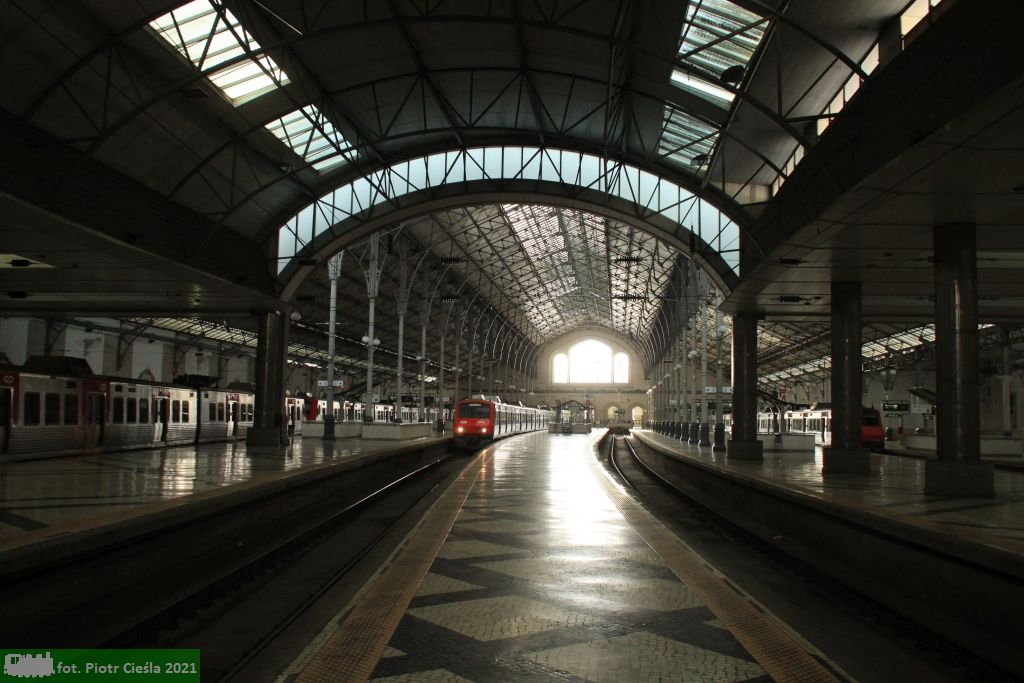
[(213, 411), (118, 409), (144, 411), (157, 415), (220, 412), (474, 411), (175, 411), (184, 411), (52, 412), (30, 414), (70, 409), (133, 410)]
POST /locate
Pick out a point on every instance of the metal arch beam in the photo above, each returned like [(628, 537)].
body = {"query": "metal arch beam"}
[(501, 257), (401, 21), (692, 182), (343, 234), (481, 273), (686, 183), (480, 266)]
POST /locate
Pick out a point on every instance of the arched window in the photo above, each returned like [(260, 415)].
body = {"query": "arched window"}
[(621, 368), (560, 369), (590, 362)]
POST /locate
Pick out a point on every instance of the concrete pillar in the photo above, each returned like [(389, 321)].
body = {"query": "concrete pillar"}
[(269, 426), (958, 471), (846, 455), (744, 444)]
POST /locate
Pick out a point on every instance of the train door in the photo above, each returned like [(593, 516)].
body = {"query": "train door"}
[(6, 408), (95, 404), (161, 414), (233, 414)]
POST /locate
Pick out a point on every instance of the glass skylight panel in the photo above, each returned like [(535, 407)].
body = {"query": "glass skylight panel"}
[(685, 137), (312, 136), (717, 35), (208, 34)]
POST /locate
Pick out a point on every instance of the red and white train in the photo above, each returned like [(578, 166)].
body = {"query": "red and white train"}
[(817, 420), (481, 419)]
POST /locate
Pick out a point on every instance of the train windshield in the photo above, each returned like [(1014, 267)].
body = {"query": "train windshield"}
[(871, 419), (474, 411)]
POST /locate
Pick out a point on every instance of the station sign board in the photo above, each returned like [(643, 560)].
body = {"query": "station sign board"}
[(337, 383), (724, 390), (895, 406)]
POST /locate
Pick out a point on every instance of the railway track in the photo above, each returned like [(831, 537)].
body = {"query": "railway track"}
[(250, 623)]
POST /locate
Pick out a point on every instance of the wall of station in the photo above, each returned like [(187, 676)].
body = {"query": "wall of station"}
[(628, 396)]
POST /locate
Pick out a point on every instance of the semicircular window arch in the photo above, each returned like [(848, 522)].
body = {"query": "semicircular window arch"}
[(652, 193), (590, 361)]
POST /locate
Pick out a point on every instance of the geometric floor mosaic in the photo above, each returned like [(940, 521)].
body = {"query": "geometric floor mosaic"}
[(542, 579)]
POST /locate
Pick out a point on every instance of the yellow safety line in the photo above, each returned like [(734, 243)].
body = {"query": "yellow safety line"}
[(352, 652), (769, 641)]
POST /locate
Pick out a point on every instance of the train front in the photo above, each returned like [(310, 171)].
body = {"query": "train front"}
[(473, 422)]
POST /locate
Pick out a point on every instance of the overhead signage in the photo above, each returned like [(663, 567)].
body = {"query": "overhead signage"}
[(337, 383), (895, 406), (723, 390)]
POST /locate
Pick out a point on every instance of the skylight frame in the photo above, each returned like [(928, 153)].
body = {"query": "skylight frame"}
[(207, 34), (312, 136), (685, 137)]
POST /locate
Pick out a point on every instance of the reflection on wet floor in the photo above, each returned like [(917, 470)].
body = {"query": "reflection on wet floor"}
[(41, 493), (894, 488)]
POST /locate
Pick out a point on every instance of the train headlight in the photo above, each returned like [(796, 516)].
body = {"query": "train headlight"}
[(483, 430), (459, 430)]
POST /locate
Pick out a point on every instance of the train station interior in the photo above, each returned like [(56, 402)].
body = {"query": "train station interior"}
[(439, 340)]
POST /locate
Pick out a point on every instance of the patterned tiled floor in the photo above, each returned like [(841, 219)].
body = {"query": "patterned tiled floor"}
[(542, 578)]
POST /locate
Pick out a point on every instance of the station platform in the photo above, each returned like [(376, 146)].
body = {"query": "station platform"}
[(894, 490), (535, 565), (53, 493)]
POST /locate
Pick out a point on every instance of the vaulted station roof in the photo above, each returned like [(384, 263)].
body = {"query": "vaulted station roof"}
[(224, 120)]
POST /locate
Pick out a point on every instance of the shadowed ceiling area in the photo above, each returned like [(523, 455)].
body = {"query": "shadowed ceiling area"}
[(172, 141)]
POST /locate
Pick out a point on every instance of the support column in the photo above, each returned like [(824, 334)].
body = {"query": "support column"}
[(684, 396), (958, 471), (421, 408), (1005, 379), (719, 437), (694, 435), (846, 455), (334, 272), (269, 426), (744, 444), (705, 418)]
